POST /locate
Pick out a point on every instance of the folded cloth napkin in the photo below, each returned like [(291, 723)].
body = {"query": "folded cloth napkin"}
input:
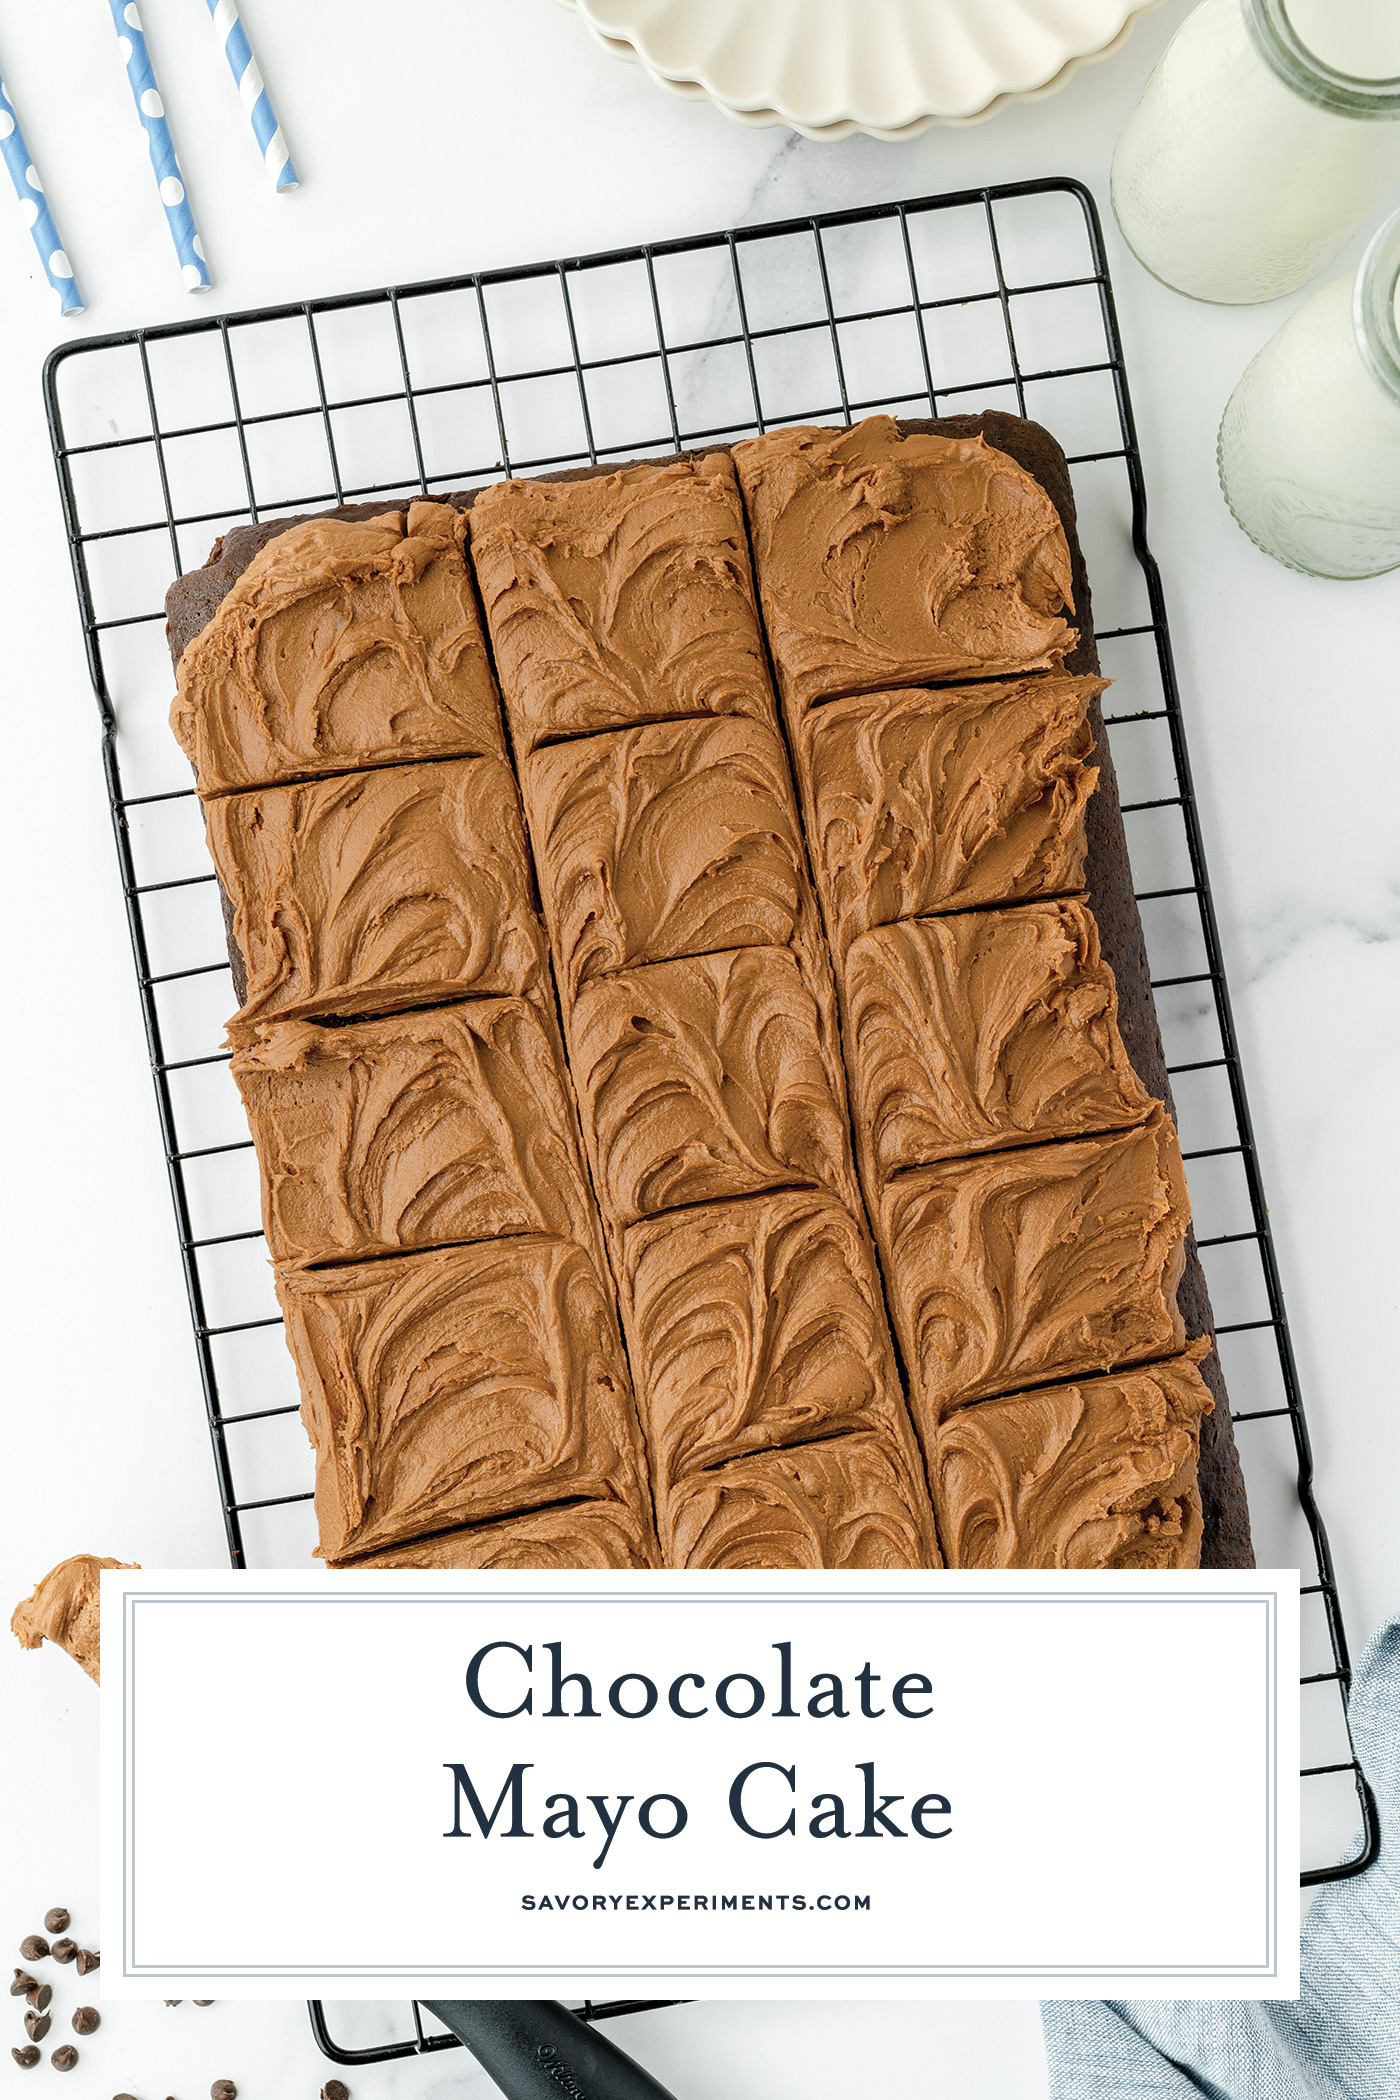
[(1340, 2040)]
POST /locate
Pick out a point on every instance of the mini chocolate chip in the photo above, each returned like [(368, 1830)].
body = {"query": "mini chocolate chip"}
[(223, 2089), (23, 1983), (33, 1948), (40, 1996), (64, 2059), (86, 2020), (201, 2001), (37, 2025), (64, 1950), (57, 1920), (26, 2058), (174, 2001), (123, 2096), (335, 2089), (88, 1960)]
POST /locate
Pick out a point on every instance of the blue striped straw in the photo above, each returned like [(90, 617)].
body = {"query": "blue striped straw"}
[(131, 42), (252, 93), (34, 208)]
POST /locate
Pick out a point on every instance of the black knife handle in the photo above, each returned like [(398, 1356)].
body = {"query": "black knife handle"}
[(536, 2049)]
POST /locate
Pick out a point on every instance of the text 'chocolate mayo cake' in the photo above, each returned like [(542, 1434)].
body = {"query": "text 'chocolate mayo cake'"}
[(706, 1118)]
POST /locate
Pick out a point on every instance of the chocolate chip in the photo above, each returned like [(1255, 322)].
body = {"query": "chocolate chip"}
[(64, 2059), (40, 1996), (334, 2089), (33, 1949), (88, 1960), (123, 2096), (174, 2001), (64, 1950), (57, 1920), (26, 2058), (201, 2001), (37, 2025), (23, 1982), (223, 2089), (86, 2020)]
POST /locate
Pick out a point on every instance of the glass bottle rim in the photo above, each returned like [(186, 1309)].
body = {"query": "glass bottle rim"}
[(1373, 307), (1278, 43)]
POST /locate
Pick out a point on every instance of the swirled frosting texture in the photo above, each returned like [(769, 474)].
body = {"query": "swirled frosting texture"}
[(849, 1503), (378, 890), (887, 560), (919, 803), (1096, 1475), (621, 599), (578, 1535), (677, 839), (66, 1608), (706, 1078), (412, 1130), (753, 1325), (988, 1029), (441, 1389), (1023, 1266), (340, 646)]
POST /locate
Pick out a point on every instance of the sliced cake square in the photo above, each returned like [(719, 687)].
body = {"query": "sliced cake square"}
[(574, 1535), (620, 598), (377, 890), (412, 1130), (892, 559), (756, 1324), (988, 1029), (441, 1389), (1048, 1262), (340, 646), (849, 1503), (1099, 1474)]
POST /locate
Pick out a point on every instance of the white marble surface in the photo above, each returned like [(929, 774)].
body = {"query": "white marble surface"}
[(466, 133)]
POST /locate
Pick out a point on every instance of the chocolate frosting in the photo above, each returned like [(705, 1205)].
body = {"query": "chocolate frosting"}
[(377, 890), (66, 1608), (413, 1130), (441, 1389), (1048, 1262), (1097, 1475), (706, 1078), (579, 1535), (849, 1503), (756, 1324), (920, 803), (989, 1029), (890, 560), (341, 645), (621, 599), (676, 839)]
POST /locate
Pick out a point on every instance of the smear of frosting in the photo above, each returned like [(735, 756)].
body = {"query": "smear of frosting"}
[(66, 1608)]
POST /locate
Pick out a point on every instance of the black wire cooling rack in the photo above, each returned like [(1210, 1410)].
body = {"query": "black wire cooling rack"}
[(995, 298)]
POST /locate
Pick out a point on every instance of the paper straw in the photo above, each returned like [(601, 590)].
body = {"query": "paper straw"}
[(34, 208), (252, 93), (136, 58)]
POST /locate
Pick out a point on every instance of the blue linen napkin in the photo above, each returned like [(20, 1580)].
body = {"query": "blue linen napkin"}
[(1340, 2040)]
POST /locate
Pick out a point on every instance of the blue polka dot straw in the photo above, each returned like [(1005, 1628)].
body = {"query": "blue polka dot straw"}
[(252, 93), (34, 208), (136, 58)]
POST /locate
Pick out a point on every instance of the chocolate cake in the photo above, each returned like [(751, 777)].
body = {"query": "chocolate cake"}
[(1026, 1191)]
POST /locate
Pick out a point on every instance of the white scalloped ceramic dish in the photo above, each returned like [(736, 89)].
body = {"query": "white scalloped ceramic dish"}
[(888, 68)]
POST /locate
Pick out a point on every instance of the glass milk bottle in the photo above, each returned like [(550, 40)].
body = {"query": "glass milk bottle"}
[(1310, 441), (1266, 133)]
